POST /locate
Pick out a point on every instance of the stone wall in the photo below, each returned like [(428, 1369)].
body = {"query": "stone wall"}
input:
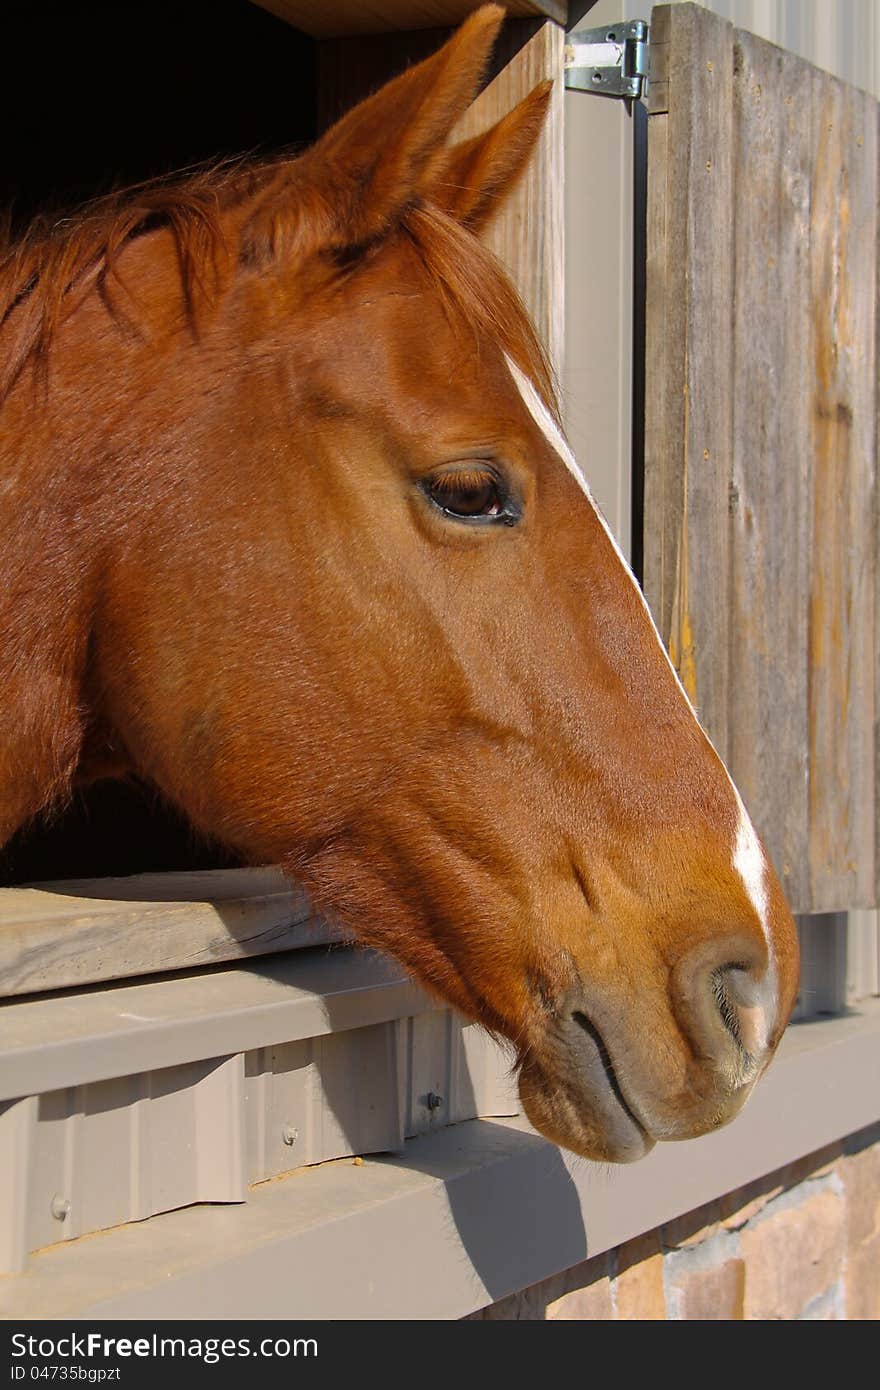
[(804, 1242)]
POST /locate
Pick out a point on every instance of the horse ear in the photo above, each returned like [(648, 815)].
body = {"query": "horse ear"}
[(372, 164), (478, 174)]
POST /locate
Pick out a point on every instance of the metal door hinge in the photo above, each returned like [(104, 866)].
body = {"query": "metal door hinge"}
[(612, 61)]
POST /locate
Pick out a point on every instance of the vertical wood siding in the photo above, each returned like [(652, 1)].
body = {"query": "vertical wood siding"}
[(761, 432), (528, 235)]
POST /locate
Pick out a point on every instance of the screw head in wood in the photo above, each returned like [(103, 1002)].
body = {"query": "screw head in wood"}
[(60, 1207), (290, 1135)]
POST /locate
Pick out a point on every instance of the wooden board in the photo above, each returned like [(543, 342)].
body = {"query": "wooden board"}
[(528, 235), (761, 429), (688, 438), (61, 935), (333, 18), (842, 407), (770, 504)]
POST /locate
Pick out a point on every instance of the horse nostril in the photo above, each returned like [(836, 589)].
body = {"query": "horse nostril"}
[(725, 1004), (741, 1003), (726, 1007)]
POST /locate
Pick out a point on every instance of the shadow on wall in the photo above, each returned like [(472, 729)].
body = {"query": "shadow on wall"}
[(506, 1240), (481, 1169)]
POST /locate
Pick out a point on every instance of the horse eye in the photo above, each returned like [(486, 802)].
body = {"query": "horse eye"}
[(475, 493)]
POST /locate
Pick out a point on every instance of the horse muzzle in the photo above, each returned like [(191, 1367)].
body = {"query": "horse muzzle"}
[(680, 1067)]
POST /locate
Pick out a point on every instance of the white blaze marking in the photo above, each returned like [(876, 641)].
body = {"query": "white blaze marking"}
[(750, 864), (748, 857), (552, 433)]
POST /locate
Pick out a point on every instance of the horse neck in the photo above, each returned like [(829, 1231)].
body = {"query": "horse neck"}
[(81, 461), (42, 632), (58, 503)]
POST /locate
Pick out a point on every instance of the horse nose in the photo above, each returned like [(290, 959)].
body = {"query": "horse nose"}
[(728, 1009)]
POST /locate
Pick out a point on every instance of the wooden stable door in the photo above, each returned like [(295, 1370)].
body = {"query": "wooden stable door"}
[(761, 433)]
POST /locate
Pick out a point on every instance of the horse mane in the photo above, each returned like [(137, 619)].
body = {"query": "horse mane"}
[(49, 270), (55, 264)]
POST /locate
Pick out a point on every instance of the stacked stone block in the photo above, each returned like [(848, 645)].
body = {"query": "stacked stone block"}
[(804, 1242)]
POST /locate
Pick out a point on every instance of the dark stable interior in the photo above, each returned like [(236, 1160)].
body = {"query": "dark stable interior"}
[(97, 96)]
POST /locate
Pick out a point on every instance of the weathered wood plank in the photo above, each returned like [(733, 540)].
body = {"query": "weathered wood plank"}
[(332, 18), (690, 335), (770, 497), (842, 408), (784, 569), (65, 934)]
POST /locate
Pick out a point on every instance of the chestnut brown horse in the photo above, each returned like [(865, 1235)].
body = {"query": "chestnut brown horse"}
[(289, 529)]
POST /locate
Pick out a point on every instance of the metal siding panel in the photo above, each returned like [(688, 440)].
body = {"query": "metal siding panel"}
[(168, 1136), (597, 370), (462, 1066), (822, 987), (483, 1081), (279, 1103), (359, 1102), (257, 1130), (18, 1120), (862, 955), (106, 1157), (473, 1212), (840, 38), (323, 1098), (429, 1073), (50, 1168), (125, 1149), (221, 1149)]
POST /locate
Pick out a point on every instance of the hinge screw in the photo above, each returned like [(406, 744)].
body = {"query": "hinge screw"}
[(290, 1135), (60, 1207), (433, 1101)]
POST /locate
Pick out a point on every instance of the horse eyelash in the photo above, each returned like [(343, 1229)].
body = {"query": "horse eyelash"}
[(464, 480)]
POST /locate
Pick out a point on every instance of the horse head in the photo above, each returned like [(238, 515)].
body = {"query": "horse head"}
[(334, 583)]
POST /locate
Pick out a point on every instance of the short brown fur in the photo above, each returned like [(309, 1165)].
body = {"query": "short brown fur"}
[(225, 404)]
